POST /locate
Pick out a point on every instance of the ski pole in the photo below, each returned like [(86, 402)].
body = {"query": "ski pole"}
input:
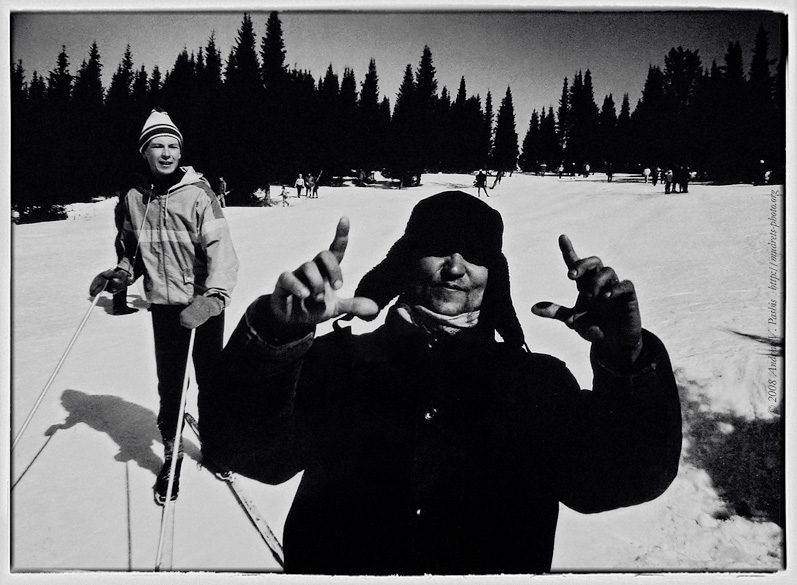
[(176, 448), (57, 367)]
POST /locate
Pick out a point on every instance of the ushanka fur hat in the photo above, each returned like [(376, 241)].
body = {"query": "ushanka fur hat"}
[(440, 225), (158, 124)]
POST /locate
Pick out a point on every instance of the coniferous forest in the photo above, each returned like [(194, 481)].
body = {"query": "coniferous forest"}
[(250, 118)]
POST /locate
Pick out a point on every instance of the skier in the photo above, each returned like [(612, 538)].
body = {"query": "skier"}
[(481, 183), (222, 192), (668, 177), (646, 174), (310, 184), (175, 235), (299, 184), (427, 446)]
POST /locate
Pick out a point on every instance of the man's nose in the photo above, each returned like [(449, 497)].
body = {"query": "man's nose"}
[(454, 265)]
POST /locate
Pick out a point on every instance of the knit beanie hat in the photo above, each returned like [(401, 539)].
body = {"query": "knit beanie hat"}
[(158, 124), (440, 225)]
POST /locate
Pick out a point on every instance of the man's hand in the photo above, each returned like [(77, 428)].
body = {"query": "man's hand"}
[(112, 281), (606, 312), (307, 296), (200, 310)]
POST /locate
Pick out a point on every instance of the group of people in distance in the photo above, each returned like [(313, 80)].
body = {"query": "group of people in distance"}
[(309, 184), (675, 177), (437, 443)]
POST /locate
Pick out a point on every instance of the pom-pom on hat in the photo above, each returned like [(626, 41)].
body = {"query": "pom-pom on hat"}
[(158, 124), (445, 223)]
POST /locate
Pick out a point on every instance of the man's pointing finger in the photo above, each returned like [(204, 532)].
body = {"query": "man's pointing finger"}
[(338, 245), (551, 311), (568, 253)]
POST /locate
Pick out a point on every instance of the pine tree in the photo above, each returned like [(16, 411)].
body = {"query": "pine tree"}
[(426, 130), (347, 116), (531, 148), (88, 93), (505, 151), (486, 141), (623, 137), (764, 132), (90, 128), (19, 89), (272, 54), (371, 132), (119, 90), (59, 82), (403, 161), (245, 148), (550, 149), (140, 92), (607, 124), (649, 127), (563, 126), (154, 87)]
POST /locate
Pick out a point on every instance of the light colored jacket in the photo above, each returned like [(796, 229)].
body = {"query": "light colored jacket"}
[(179, 241)]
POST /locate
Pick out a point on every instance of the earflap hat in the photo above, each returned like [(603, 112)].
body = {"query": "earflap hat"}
[(158, 124), (440, 225)]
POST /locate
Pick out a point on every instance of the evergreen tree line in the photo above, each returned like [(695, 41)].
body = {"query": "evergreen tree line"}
[(250, 119), (256, 122), (717, 120)]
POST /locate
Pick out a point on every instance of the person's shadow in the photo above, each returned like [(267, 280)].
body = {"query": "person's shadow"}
[(131, 426)]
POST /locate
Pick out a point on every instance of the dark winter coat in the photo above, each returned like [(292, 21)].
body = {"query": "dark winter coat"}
[(444, 459)]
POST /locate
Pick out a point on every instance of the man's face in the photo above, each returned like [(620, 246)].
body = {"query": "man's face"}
[(450, 285), (163, 155)]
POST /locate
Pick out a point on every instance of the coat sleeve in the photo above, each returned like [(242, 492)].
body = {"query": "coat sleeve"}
[(216, 243), (126, 242), (619, 444), (246, 411)]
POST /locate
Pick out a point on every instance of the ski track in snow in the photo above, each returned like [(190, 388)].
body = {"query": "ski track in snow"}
[(83, 471)]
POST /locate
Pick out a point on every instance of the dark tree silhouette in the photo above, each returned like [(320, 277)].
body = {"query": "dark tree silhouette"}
[(505, 150)]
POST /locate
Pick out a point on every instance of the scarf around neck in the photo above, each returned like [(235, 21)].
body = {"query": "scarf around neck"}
[(435, 324)]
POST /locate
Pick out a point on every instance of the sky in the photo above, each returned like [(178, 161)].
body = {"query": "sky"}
[(529, 52)]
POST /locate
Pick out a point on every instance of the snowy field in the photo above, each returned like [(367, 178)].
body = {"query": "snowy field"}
[(82, 473)]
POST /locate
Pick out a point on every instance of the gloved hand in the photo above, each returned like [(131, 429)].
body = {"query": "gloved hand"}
[(200, 310), (116, 278)]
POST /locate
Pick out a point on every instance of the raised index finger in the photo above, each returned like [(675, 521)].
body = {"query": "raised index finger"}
[(338, 245), (568, 253)]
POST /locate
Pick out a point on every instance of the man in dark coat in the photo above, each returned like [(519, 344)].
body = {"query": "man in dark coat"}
[(428, 446)]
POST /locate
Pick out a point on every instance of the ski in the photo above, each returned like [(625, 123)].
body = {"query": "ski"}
[(246, 503)]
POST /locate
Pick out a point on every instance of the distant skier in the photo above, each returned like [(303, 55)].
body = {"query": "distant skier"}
[(481, 183), (299, 184), (646, 174), (222, 192), (309, 184), (668, 177), (174, 235)]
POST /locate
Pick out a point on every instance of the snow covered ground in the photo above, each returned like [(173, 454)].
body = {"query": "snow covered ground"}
[(704, 267)]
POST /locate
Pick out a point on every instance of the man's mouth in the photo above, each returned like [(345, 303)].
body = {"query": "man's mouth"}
[(451, 286)]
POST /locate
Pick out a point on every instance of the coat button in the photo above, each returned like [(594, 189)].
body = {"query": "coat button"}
[(430, 414)]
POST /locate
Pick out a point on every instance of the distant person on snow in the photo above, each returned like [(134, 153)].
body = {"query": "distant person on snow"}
[(222, 192), (174, 235), (309, 183), (668, 177), (481, 183), (299, 184), (646, 174), (428, 446)]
